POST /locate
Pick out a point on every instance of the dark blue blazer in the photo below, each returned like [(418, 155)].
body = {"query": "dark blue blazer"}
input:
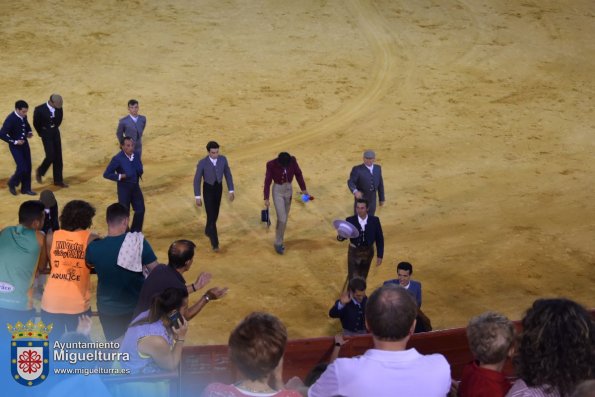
[(120, 164), (14, 129), (352, 315), (414, 289), (373, 233)]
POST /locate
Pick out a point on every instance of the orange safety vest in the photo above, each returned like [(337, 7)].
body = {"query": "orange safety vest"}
[(68, 289)]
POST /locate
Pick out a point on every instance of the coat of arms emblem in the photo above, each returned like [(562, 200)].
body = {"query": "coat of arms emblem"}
[(29, 352)]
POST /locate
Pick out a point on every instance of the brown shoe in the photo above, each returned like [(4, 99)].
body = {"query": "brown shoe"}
[(61, 184)]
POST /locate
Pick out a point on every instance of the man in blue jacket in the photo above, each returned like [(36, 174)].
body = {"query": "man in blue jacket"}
[(15, 131), (126, 169)]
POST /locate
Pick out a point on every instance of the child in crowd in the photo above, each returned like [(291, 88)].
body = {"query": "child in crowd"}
[(490, 338)]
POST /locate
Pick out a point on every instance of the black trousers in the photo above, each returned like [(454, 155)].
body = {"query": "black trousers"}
[(130, 193), (22, 175), (212, 199), (52, 145), (359, 260)]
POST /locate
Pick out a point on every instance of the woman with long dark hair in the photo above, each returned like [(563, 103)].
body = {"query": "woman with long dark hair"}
[(155, 337), (556, 350)]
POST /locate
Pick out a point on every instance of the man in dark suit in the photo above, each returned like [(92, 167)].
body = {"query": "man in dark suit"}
[(15, 131), (47, 118), (212, 169), (133, 126), (351, 308), (126, 169), (361, 248), (365, 181)]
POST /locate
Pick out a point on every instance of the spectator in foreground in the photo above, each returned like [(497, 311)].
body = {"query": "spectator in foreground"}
[(155, 337), (256, 348), (490, 338), (22, 255), (556, 349), (180, 258), (67, 292), (351, 308), (389, 368), (119, 260)]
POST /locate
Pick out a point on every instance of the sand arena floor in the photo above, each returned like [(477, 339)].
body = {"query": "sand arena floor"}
[(481, 114)]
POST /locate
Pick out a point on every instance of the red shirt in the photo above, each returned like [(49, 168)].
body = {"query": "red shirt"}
[(279, 174), (482, 382)]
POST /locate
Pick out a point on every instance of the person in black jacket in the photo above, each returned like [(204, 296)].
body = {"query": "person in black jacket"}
[(47, 119), (351, 308), (15, 131), (361, 249)]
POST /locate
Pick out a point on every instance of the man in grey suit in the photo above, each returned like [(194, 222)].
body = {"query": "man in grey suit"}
[(132, 126), (365, 180), (211, 169)]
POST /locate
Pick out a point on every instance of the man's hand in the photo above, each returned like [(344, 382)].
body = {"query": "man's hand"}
[(345, 297), (122, 177), (358, 194), (199, 202), (84, 325), (339, 339), (267, 203), (378, 261), (19, 142), (216, 293), (202, 280), (381, 203), (231, 196)]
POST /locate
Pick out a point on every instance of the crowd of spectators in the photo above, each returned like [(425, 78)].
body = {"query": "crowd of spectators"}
[(145, 306)]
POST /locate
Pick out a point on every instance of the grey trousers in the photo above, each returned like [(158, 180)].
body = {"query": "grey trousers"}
[(282, 200)]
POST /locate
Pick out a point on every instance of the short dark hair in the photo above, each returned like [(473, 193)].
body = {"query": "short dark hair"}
[(116, 213), (556, 347), (124, 139), (257, 345), (490, 336), (361, 200), (357, 284), (390, 313), (31, 211), (405, 266), (132, 102), (212, 145), (180, 251), (284, 159), (20, 104), (77, 214)]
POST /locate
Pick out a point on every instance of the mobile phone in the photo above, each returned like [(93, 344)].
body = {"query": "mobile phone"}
[(173, 318)]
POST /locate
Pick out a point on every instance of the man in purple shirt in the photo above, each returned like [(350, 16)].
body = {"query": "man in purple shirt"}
[(281, 171)]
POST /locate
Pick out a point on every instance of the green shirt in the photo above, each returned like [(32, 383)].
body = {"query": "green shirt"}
[(118, 289), (19, 253)]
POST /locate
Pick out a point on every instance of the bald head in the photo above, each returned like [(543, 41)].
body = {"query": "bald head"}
[(56, 101), (390, 313)]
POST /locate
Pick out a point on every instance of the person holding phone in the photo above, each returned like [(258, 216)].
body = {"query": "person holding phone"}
[(155, 337)]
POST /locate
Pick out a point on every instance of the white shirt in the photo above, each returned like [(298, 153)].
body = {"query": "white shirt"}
[(214, 161), (362, 222), (134, 118), (371, 168), (52, 110), (382, 373), (19, 116)]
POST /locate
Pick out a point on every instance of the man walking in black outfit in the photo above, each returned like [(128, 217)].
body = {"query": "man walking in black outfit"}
[(47, 118), (212, 168)]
